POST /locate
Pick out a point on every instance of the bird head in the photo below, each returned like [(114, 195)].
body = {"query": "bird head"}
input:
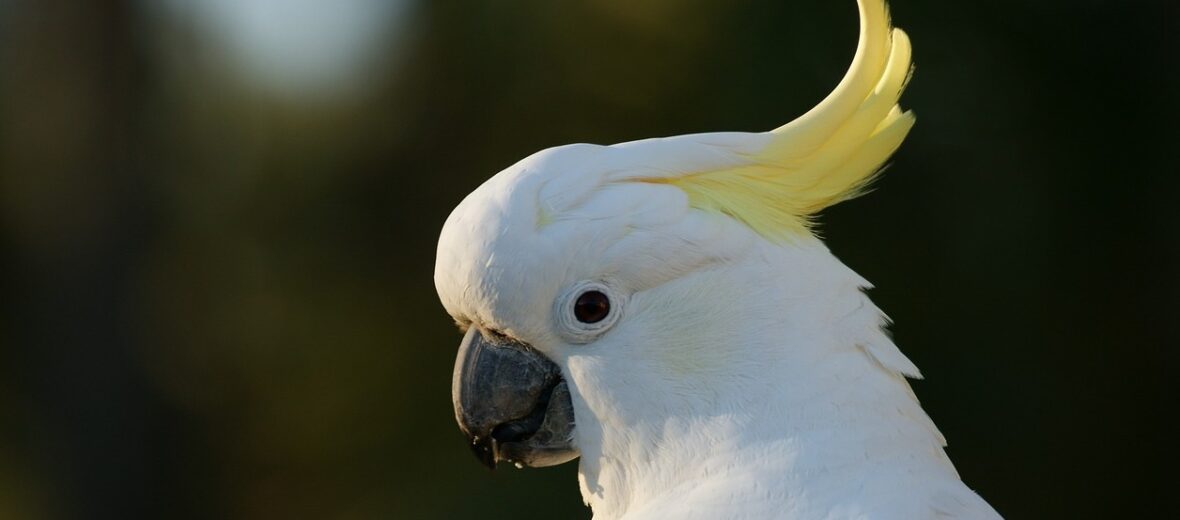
[(608, 289)]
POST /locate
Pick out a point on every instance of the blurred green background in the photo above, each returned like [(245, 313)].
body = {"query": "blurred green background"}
[(218, 220)]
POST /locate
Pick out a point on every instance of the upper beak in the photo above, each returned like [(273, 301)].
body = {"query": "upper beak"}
[(512, 403)]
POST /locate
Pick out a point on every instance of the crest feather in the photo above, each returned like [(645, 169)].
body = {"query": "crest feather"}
[(828, 155)]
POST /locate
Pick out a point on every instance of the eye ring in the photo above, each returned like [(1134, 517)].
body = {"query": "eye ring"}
[(586, 310)]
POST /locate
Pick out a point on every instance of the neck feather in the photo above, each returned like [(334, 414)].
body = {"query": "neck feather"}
[(819, 418)]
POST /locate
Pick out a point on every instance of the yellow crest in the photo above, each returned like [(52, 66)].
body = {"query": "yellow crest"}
[(828, 155)]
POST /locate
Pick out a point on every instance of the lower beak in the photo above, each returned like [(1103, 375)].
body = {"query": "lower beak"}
[(512, 403)]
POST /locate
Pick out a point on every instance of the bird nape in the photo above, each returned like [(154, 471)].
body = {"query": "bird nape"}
[(662, 310)]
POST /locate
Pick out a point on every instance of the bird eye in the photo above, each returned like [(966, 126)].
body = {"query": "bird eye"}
[(591, 307), (587, 309)]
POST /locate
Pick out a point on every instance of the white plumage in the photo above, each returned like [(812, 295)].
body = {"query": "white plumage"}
[(744, 374)]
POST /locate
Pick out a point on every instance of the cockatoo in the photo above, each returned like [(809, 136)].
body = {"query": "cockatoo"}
[(661, 309)]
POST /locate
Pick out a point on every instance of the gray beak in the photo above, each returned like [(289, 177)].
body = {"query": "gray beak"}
[(512, 403)]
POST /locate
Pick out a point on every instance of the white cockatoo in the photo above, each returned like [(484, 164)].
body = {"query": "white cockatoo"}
[(661, 309)]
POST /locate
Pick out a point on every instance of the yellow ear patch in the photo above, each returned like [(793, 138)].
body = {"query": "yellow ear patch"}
[(828, 155)]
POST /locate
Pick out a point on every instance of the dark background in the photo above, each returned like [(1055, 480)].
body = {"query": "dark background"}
[(216, 295)]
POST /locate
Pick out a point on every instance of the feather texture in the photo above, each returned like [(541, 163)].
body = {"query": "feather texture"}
[(747, 374), (828, 155)]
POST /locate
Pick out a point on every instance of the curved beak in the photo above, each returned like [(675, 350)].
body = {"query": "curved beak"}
[(512, 403)]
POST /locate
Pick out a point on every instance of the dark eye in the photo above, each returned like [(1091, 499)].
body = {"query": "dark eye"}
[(591, 307)]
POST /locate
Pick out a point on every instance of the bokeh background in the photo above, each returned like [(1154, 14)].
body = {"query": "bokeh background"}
[(218, 220)]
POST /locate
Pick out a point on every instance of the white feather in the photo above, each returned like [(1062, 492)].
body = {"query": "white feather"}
[(744, 378)]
